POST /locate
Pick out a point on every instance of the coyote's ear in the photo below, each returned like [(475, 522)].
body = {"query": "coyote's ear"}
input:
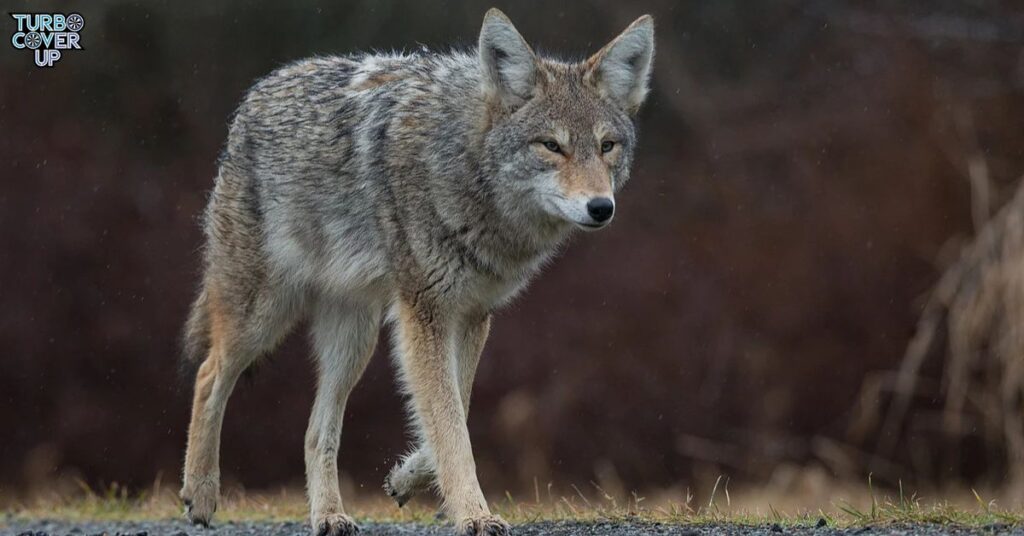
[(508, 64), (621, 70)]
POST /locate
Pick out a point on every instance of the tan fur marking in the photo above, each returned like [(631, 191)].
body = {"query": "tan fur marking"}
[(375, 80), (410, 122), (584, 178)]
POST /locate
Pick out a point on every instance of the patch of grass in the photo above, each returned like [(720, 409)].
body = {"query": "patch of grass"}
[(903, 509), (118, 504)]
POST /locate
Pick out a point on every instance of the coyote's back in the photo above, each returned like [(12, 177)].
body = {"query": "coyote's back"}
[(423, 187)]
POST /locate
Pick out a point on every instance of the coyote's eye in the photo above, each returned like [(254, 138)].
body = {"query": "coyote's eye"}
[(552, 146), (607, 146)]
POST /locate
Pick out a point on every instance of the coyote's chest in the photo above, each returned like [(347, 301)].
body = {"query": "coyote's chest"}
[(488, 291)]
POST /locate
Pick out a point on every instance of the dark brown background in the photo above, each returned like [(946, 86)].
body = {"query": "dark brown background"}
[(802, 166)]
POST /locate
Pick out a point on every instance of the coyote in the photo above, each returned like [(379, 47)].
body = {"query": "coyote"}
[(423, 188)]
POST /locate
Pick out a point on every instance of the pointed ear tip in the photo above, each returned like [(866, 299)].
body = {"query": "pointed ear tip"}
[(645, 21), (495, 13)]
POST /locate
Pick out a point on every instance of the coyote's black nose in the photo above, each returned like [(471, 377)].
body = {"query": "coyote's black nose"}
[(601, 209)]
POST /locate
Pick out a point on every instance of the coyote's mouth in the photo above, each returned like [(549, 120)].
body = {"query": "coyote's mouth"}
[(571, 211), (590, 226)]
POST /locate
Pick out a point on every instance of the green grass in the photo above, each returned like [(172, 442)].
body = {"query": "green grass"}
[(118, 504)]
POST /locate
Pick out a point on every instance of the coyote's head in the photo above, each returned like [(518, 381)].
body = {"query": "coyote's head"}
[(561, 135)]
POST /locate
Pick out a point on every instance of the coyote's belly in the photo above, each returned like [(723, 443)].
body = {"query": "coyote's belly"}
[(339, 258), (345, 260)]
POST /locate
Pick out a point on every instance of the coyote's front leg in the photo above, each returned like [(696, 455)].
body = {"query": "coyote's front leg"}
[(415, 472), (430, 369)]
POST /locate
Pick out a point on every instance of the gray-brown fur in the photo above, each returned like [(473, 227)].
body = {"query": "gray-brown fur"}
[(419, 187)]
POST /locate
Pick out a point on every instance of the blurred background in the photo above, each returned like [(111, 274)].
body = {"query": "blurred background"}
[(810, 271)]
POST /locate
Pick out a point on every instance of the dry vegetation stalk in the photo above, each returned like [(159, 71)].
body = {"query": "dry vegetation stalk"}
[(973, 322)]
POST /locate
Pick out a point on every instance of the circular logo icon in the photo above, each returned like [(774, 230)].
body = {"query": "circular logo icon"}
[(75, 22), (33, 40)]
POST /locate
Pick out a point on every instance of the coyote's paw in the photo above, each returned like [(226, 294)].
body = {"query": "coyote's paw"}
[(400, 497), (402, 483), (335, 525), (200, 503), (483, 526)]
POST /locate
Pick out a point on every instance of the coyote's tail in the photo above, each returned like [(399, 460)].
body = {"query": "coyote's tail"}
[(195, 340)]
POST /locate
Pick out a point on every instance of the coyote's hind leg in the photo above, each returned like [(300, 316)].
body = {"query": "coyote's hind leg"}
[(236, 339), (225, 361)]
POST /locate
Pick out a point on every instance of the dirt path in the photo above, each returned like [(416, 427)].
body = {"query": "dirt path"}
[(180, 528)]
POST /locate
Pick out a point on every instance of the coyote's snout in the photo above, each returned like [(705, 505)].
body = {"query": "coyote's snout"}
[(585, 195), (423, 188)]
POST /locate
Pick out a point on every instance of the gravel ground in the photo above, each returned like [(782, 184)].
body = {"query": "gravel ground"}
[(180, 528)]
